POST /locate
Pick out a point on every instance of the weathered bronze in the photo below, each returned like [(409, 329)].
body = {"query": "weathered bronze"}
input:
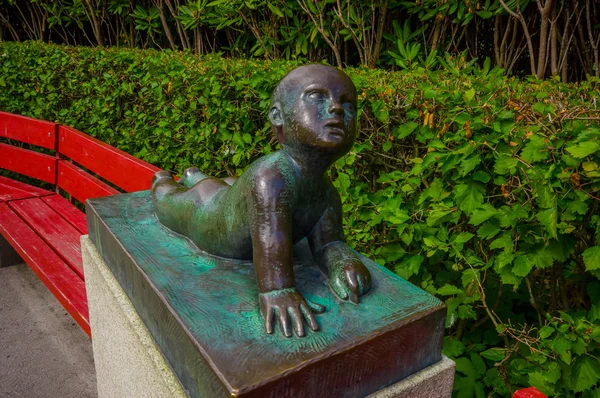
[(202, 312), (279, 200)]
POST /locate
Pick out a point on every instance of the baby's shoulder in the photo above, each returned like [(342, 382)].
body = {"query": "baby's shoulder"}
[(272, 172)]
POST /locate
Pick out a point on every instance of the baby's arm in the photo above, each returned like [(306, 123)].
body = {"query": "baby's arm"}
[(271, 226), (348, 276)]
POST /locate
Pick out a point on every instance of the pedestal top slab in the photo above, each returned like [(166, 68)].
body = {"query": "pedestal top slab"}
[(202, 312)]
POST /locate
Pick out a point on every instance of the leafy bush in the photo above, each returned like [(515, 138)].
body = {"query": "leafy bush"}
[(480, 189)]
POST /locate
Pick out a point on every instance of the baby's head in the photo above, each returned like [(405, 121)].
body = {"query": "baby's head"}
[(314, 107)]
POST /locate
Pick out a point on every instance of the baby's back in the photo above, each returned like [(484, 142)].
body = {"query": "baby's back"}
[(222, 224)]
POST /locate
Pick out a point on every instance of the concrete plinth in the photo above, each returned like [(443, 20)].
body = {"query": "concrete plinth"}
[(434, 381), (8, 255), (130, 364)]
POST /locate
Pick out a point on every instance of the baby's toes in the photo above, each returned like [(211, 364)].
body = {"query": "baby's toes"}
[(160, 176), (364, 284)]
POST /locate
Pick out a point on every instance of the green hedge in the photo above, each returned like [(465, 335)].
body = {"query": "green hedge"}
[(480, 189)]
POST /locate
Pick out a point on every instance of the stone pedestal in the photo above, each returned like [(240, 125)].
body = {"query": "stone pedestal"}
[(196, 321), (8, 255), (128, 362)]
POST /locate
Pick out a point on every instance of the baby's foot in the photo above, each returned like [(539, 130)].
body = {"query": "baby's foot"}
[(161, 176), (191, 176)]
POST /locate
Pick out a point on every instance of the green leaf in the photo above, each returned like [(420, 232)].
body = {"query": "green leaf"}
[(545, 196), (548, 219), (546, 331), (438, 214), (540, 381), (583, 149), (465, 366), (495, 354), (275, 10), (504, 242), (405, 129), (506, 164), (594, 313), (522, 266), (585, 373), (453, 347), (463, 237), (562, 347), (448, 290), (468, 164), (482, 176), (482, 214), (392, 252), (488, 230), (469, 196), (469, 94), (591, 258), (478, 363), (536, 150), (409, 266), (541, 257)]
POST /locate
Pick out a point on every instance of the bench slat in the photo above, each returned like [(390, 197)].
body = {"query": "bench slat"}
[(70, 213), (64, 284), (30, 189), (80, 184), (11, 193), (29, 163), (25, 129), (53, 229), (118, 167)]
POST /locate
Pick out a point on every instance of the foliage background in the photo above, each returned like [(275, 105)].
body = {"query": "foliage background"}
[(481, 189), (536, 37)]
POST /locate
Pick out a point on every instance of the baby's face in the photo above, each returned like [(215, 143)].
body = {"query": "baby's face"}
[(321, 110)]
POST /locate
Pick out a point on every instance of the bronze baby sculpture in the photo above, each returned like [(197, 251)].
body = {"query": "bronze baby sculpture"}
[(280, 199)]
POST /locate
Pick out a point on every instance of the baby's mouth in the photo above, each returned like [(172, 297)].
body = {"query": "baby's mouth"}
[(336, 127)]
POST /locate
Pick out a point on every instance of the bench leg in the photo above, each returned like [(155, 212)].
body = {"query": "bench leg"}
[(8, 255)]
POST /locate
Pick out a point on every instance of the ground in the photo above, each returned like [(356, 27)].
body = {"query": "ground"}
[(43, 352)]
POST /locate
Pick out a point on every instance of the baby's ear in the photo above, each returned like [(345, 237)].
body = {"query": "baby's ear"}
[(276, 119), (275, 116)]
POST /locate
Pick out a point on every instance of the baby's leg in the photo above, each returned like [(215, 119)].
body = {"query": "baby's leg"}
[(167, 195), (175, 204), (193, 175)]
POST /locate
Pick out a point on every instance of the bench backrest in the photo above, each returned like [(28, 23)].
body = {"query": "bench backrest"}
[(76, 158), (23, 161)]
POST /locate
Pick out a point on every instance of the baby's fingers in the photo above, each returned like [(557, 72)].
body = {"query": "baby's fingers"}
[(294, 313), (315, 307), (268, 316), (310, 318), (352, 286), (339, 288), (284, 321)]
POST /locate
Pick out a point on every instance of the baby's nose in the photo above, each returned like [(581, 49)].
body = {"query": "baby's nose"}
[(336, 107)]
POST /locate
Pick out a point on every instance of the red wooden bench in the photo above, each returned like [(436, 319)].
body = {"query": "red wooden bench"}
[(41, 226)]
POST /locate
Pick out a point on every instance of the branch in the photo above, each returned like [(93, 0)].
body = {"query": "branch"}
[(519, 17)]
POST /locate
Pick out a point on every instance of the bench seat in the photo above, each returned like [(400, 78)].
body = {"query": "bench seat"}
[(36, 240), (41, 226)]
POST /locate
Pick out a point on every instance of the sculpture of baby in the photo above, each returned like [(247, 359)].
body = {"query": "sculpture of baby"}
[(280, 199)]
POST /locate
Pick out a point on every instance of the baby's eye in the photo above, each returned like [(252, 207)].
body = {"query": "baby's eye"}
[(316, 95)]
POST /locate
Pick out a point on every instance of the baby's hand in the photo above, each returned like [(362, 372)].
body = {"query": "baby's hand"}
[(285, 304), (349, 280)]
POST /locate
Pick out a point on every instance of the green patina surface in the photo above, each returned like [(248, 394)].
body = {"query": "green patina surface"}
[(215, 299)]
